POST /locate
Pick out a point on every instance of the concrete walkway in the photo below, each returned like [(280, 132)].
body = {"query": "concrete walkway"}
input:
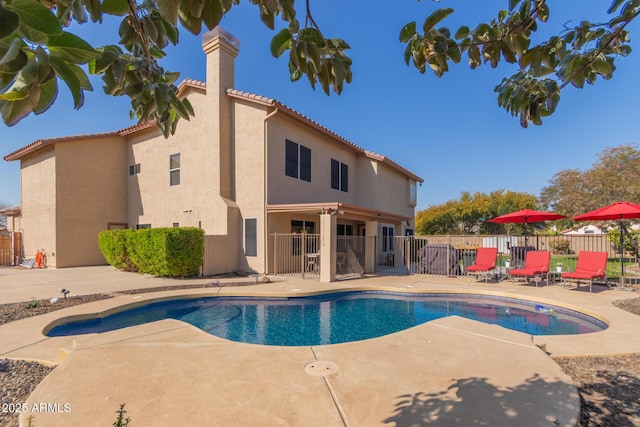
[(448, 372)]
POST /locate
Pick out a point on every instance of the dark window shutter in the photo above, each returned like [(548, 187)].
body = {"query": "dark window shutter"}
[(305, 164), (291, 161), (251, 237), (335, 174), (344, 175)]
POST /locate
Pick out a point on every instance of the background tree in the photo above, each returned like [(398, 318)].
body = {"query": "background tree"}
[(37, 51), (469, 214), (614, 177)]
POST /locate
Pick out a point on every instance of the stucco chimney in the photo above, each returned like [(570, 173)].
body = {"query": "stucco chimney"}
[(221, 49)]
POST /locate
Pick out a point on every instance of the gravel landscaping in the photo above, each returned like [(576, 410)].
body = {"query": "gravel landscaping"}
[(608, 385)]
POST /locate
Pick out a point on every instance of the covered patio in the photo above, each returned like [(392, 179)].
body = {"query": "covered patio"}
[(332, 240)]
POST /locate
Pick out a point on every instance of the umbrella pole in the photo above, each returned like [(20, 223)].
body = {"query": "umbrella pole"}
[(621, 255)]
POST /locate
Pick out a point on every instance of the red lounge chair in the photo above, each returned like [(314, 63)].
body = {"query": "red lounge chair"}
[(590, 266), (485, 262), (536, 264)]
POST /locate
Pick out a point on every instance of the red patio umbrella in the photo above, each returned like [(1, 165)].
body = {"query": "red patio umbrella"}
[(525, 217), (619, 211)]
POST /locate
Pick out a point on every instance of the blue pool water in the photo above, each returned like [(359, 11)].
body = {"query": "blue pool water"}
[(339, 317)]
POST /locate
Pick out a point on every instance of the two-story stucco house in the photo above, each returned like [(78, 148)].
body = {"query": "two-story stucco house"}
[(245, 167)]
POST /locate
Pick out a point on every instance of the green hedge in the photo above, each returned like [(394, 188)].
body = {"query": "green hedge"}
[(173, 252)]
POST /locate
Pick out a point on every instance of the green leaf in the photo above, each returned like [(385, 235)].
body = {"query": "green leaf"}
[(178, 106), (407, 32), (462, 32), (115, 7), (171, 30), (14, 58), (513, 4), (196, 7), (169, 10), (188, 21), (434, 18), (14, 111), (616, 4), (267, 18), (474, 56), (66, 72), (37, 22), (602, 67), (212, 14), (9, 22), (453, 51), (280, 42), (543, 13), (48, 95), (72, 48)]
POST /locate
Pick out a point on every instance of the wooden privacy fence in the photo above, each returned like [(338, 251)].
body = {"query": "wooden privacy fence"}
[(10, 249)]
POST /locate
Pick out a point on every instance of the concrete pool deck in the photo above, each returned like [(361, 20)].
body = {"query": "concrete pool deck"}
[(448, 372)]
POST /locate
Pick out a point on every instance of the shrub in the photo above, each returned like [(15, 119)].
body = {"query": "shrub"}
[(174, 252), (114, 248), (562, 247)]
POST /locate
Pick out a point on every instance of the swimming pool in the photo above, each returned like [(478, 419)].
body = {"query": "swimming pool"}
[(338, 317)]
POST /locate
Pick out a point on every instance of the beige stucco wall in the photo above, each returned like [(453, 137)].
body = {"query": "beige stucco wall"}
[(38, 188), (372, 184), (285, 189), (196, 201), (391, 190), (249, 176), (91, 192)]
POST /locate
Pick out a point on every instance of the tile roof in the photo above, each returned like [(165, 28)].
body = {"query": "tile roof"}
[(42, 143), (263, 100), (234, 93)]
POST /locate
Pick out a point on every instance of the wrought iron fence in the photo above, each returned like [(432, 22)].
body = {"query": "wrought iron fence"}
[(295, 255), (298, 254)]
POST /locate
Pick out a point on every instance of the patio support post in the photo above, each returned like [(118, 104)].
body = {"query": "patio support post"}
[(370, 250), (328, 236)]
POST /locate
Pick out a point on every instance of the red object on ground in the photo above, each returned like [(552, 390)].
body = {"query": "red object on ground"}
[(39, 258), (591, 265), (485, 261), (536, 264)]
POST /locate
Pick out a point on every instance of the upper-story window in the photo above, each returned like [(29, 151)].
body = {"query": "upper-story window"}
[(134, 169), (413, 193), (174, 169), (297, 161), (339, 176)]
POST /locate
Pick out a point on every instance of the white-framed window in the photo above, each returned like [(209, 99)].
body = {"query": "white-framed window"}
[(413, 193), (174, 169), (339, 176), (251, 236), (297, 161)]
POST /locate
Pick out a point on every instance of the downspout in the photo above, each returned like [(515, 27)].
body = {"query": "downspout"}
[(264, 202)]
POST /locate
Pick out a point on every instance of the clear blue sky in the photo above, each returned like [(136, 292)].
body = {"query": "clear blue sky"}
[(447, 130)]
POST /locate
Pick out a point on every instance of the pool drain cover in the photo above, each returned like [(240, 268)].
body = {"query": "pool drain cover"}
[(321, 368)]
